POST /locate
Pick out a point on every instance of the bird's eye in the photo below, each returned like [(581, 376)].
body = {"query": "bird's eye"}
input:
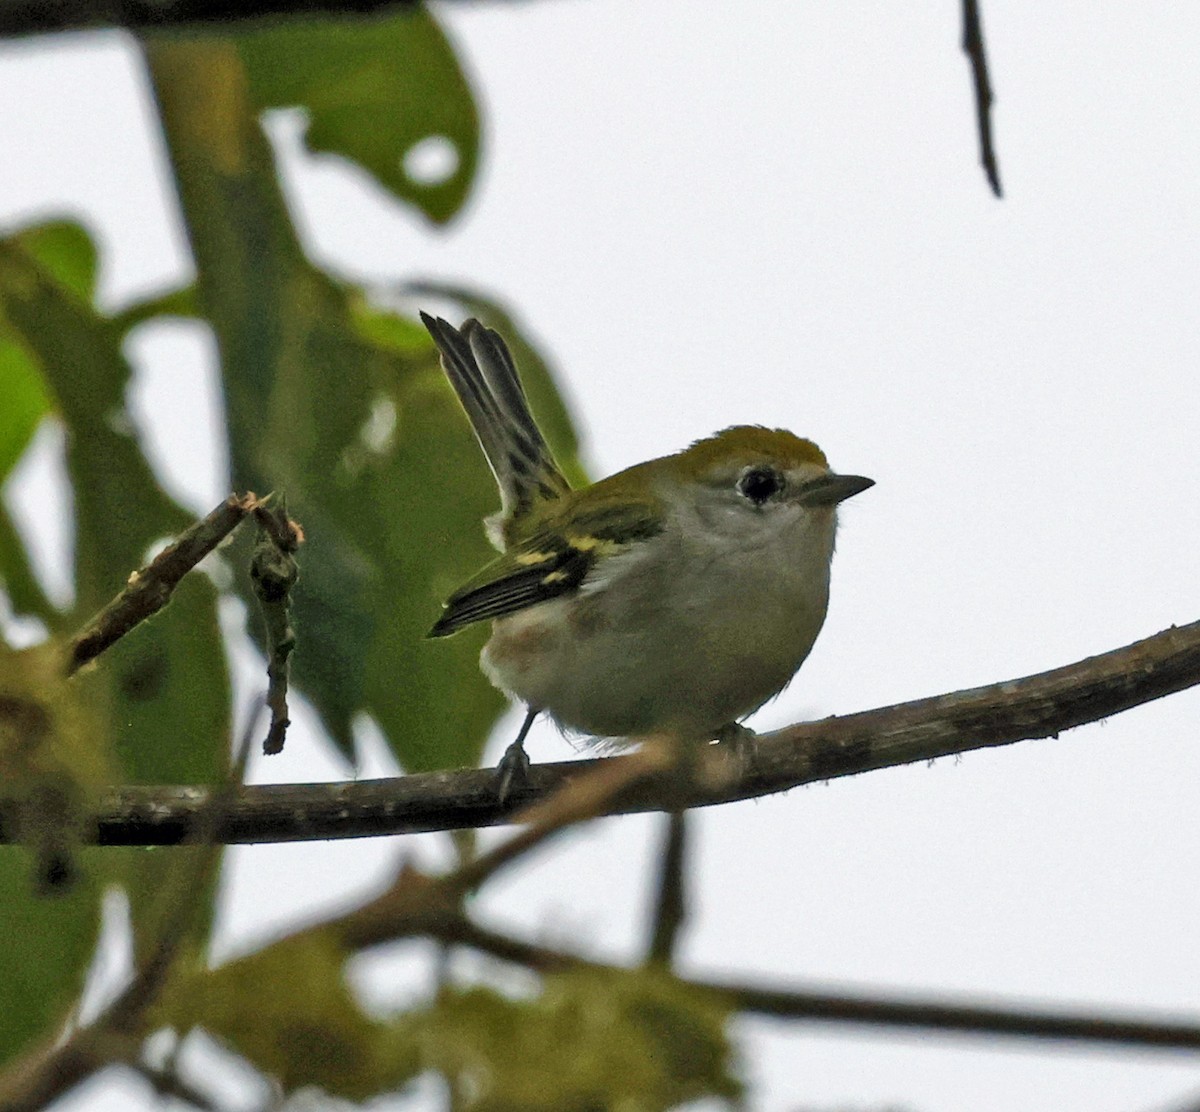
[(760, 483)]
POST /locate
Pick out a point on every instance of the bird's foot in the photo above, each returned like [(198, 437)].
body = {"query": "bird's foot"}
[(742, 742), (513, 770)]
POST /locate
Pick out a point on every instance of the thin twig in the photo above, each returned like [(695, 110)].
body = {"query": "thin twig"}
[(910, 1012), (168, 1083), (671, 907), (274, 572), (940, 1015), (1038, 706), (972, 44), (150, 589), (420, 904), (584, 797)]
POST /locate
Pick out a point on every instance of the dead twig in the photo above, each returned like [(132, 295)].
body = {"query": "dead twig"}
[(149, 589), (274, 571)]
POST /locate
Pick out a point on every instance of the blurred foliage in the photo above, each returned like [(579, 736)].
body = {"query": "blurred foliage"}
[(50, 766), (49, 941), (288, 1010), (592, 1038), (334, 398), (50, 769)]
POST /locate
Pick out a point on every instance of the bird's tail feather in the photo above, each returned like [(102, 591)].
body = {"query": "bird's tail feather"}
[(481, 369)]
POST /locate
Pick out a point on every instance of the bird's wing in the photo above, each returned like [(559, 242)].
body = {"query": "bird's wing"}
[(550, 562)]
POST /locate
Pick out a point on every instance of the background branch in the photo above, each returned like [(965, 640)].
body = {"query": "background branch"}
[(972, 44), (1035, 707), (912, 1011), (31, 17), (670, 908)]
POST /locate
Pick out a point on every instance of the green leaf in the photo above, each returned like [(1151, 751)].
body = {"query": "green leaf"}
[(50, 766), (119, 505), (67, 253), (592, 1039), (288, 1010), (428, 697), (343, 409), (25, 594), (48, 945), (374, 90), (23, 401)]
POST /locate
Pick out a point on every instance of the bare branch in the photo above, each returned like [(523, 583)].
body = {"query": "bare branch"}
[(150, 589), (913, 1012), (972, 44), (31, 17), (1035, 707)]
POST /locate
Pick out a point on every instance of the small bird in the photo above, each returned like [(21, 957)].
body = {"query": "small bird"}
[(675, 597)]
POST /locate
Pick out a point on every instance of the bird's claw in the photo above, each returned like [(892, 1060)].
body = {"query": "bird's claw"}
[(512, 771), (742, 742)]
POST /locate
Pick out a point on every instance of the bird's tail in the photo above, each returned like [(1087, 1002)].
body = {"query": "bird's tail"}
[(481, 369)]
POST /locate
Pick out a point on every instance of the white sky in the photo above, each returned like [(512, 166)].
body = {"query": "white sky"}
[(719, 212)]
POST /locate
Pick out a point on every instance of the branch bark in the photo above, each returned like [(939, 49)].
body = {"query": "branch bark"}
[(32, 17), (1037, 706), (150, 588), (981, 86), (911, 1012)]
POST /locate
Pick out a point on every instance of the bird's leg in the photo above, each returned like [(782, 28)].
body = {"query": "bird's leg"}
[(741, 741), (513, 768)]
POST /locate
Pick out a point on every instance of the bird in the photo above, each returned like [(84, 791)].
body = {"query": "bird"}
[(673, 598)]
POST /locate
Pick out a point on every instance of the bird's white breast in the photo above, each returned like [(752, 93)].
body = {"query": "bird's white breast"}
[(686, 633)]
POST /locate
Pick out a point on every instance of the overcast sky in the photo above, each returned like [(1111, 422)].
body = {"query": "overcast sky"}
[(712, 213)]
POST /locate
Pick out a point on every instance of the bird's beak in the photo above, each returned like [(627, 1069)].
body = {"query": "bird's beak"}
[(831, 489)]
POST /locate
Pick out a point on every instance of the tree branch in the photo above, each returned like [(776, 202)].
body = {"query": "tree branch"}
[(671, 905), (972, 44), (149, 589), (913, 1012), (1035, 707), (31, 17)]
